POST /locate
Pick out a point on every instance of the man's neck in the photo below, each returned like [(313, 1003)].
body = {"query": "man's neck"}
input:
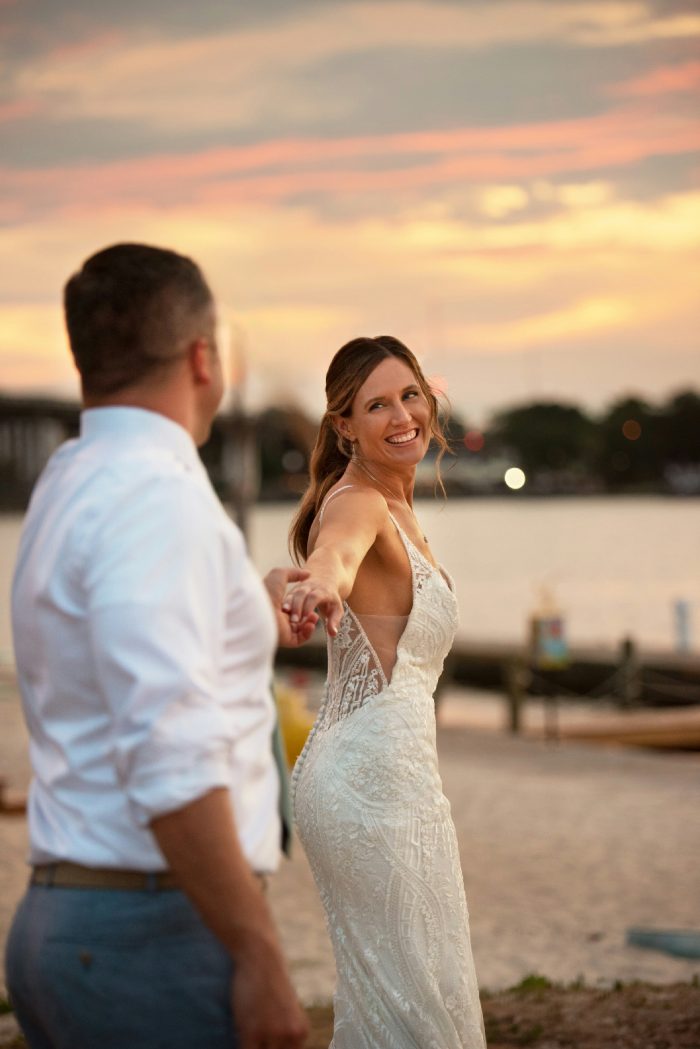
[(160, 401)]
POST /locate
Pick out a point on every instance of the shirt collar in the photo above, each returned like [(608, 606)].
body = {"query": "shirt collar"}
[(141, 425)]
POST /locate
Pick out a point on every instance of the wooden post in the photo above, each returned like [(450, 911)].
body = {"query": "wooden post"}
[(551, 711), (242, 468), (514, 679), (630, 688)]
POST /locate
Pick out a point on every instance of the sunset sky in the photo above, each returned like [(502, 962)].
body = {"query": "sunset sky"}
[(510, 187)]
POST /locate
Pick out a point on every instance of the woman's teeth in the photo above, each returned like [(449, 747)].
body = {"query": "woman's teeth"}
[(402, 438)]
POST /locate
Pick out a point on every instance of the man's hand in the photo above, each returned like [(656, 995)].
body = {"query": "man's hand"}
[(268, 1015), (308, 595), (277, 581)]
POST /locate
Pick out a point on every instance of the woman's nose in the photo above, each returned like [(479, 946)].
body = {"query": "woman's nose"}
[(401, 413)]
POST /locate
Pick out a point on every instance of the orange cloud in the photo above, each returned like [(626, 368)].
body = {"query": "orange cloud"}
[(598, 273), (576, 321)]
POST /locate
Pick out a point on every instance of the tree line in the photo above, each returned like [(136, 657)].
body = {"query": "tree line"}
[(632, 446)]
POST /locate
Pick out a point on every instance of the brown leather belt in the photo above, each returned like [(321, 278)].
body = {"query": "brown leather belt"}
[(65, 875)]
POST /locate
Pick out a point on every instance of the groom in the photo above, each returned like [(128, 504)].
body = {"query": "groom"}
[(143, 641)]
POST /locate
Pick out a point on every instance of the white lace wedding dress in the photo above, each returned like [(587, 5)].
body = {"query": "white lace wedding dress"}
[(379, 836)]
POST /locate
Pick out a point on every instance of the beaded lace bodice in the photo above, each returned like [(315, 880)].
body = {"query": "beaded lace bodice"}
[(378, 833), (356, 672)]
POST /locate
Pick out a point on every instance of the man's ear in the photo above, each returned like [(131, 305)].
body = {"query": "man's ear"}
[(199, 357)]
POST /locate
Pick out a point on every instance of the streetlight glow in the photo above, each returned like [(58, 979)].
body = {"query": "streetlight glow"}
[(514, 478)]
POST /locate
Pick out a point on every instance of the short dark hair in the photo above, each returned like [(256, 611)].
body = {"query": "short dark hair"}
[(128, 310)]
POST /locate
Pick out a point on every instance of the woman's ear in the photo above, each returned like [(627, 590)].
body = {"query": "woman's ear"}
[(344, 428)]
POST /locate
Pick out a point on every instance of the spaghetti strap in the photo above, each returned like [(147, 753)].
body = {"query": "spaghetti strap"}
[(328, 498)]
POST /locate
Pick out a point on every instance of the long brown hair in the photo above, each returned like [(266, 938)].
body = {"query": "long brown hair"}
[(352, 365)]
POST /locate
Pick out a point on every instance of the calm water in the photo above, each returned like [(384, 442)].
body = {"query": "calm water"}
[(614, 566)]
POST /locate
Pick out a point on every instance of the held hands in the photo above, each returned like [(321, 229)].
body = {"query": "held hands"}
[(296, 611), (308, 595), (276, 582)]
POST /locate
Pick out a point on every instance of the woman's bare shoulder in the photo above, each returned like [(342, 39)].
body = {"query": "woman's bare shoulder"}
[(346, 503)]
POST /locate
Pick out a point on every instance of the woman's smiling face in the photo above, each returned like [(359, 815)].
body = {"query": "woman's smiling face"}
[(390, 418)]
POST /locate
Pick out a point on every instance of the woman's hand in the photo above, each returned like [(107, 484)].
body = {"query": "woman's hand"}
[(350, 527), (276, 582), (310, 595)]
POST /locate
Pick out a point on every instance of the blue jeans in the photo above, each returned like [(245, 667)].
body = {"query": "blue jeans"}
[(113, 969)]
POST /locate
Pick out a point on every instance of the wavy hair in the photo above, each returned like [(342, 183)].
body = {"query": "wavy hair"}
[(350, 368)]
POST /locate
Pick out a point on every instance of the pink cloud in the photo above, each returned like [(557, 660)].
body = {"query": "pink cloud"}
[(18, 109), (280, 169), (665, 80), (105, 41)]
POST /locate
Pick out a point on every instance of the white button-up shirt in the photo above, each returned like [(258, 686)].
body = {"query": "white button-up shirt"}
[(144, 639)]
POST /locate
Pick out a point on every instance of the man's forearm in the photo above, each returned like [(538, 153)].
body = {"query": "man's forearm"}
[(201, 845)]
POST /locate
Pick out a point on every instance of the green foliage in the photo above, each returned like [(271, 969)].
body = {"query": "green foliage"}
[(679, 429), (629, 461), (533, 982), (631, 447), (511, 1032), (454, 428), (547, 439), (280, 431)]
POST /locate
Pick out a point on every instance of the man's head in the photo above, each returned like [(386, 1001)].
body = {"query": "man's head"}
[(134, 314)]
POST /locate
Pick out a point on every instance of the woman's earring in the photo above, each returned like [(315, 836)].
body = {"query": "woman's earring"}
[(345, 446)]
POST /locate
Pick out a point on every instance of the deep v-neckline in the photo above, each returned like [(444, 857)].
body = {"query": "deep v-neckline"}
[(356, 616), (435, 569)]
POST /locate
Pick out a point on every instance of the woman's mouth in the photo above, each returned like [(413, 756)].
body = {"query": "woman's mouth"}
[(403, 438)]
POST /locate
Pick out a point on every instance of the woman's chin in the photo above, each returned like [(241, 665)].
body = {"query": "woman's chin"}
[(409, 454)]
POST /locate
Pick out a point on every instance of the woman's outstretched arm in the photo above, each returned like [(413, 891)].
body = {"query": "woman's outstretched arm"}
[(351, 523)]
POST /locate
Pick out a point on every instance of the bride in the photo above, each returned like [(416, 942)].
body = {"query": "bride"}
[(368, 798)]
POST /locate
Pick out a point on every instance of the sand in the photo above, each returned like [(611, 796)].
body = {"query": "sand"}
[(564, 848)]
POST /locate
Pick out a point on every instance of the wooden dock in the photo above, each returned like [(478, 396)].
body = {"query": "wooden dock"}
[(669, 729), (631, 677)]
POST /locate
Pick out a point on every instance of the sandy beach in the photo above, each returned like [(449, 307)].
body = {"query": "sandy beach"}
[(564, 848)]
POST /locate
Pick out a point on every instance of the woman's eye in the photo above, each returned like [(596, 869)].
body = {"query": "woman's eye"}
[(410, 393), (377, 404)]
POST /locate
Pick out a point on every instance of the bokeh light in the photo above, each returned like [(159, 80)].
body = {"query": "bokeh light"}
[(631, 429), (514, 478), (474, 440), (293, 461)]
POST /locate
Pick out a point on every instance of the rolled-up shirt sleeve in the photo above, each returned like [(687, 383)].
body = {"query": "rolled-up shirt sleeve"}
[(157, 599)]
